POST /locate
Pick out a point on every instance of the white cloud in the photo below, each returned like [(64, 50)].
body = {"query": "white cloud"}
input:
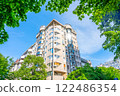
[(88, 36), (89, 41), (110, 58)]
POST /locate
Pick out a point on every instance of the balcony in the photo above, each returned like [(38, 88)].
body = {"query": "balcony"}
[(22, 57), (21, 61), (42, 28), (38, 53), (29, 50), (57, 77), (37, 35)]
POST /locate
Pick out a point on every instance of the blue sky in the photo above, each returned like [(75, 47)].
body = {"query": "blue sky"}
[(89, 41)]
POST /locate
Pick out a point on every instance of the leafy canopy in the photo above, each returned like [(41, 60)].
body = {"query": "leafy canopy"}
[(98, 73), (5, 63), (12, 11), (33, 68), (100, 12)]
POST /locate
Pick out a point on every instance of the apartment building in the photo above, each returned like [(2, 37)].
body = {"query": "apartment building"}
[(84, 61), (31, 50), (57, 44), (115, 64)]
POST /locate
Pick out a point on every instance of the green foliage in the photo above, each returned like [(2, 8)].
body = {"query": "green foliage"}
[(96, 8), (12, 11), (3, 67), (5, 63), (12, 75), (60, 6), (110, 72), (33, 68), (100, 12), (112, 42), (98, 73)]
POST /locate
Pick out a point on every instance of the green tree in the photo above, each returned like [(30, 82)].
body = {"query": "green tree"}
[(100, 11), (12, 11), (33, 68), (5, 63), (98, 73), (110, 72), (12, 75)]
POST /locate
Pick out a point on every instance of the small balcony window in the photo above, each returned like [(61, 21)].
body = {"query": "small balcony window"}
[(39, 47), (51, 29), (41, 37), (51, 33), (51, 50), (57, 28), (56, 38)]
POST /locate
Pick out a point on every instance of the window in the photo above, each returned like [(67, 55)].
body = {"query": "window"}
[(51, 33), (69, 30), (41, 37), (56, 33), (57, 38), (51, 29), (56, 43), (64, 59), (69, 51), (66, 53), (67, 59), (51, 38), (46, 47), (64, 66), (40, 42), (57, 63), (57, 28), (50, 57), (46, 37), (39, 47), (63, 42), (73, 51), (56, 50), (38, 53), (50, 44), (48, 73), (49, 64), (57, 56), (51, 50)]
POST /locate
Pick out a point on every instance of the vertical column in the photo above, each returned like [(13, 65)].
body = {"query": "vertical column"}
[(52, 77)]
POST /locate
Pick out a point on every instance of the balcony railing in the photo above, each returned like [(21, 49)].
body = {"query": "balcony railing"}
[(23, 56), (21, 61), (29, 50)]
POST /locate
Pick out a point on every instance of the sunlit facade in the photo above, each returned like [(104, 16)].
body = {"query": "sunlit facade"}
[(57, 44)]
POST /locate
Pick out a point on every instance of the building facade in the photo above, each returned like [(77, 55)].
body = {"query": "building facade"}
[(84, 61), (32, 51), (57, 44), (115, 64)]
